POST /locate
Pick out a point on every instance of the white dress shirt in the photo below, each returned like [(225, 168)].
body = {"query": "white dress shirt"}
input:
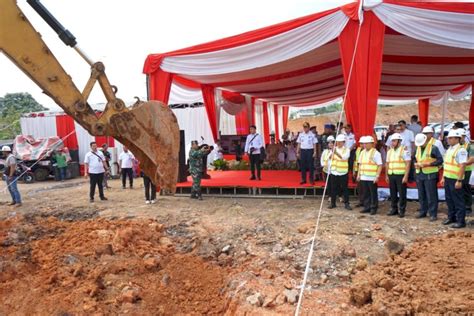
[(307, 140), (408, 138), (95, 161), (350, 140), (253, 141), (126, 159)]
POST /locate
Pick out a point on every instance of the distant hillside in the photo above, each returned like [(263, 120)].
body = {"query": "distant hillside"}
[(456, 111)]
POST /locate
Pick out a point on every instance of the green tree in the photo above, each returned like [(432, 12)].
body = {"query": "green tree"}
[(12, 106)]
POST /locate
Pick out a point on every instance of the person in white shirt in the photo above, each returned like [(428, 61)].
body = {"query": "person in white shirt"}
[(370, 167), (126, 159), (351, 145), (338, 173), (306, 152), (95, 167), (414, 126), (253, 146), (218, 152), (407, 135)]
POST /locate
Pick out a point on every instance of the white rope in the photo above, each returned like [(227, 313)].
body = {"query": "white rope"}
[(28, 169), (313, 239)]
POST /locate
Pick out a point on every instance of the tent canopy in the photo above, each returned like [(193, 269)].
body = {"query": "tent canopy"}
[(396, 50)]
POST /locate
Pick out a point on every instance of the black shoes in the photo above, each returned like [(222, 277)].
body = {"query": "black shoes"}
[(252, 178), (458, 225), (332, 206), (365, 211), (348, 207), (433, 218), (420, 215), (303, 182), (448, 221), (91, 200), (401, 214), (104, 198), (392, 213), (373, 212)]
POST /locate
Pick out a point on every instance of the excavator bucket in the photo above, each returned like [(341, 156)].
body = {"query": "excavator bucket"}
[(151, 131)]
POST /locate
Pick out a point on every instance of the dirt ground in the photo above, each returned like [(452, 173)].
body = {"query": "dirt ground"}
[(61, 255)]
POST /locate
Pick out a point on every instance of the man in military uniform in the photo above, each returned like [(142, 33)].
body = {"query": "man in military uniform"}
[(427, 162), (196, 167), (453, 176), (398, 168)]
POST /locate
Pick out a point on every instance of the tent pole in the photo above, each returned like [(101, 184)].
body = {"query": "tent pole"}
[(444, 105)]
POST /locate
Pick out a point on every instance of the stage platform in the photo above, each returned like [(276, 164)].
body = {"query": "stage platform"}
[(281, 183)]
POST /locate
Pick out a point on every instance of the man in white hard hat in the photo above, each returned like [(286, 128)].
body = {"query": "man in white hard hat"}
[(427, 163), (326, 161), (429, 132), (370, 166), (468, 170), (453, 176), (338, 172), (11, 177), (397, 170)]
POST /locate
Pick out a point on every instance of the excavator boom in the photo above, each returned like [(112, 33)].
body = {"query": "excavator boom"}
[(149, 129)]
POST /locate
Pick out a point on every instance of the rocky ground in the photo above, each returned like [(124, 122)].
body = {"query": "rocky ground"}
[(61, 255)]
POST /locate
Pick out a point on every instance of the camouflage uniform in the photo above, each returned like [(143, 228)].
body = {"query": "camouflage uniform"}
[(195, 169)]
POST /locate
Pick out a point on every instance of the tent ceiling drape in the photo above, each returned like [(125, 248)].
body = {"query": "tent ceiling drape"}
[(407, 50)]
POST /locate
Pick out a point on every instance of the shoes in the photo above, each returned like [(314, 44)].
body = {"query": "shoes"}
[(365, 211), (331, 206), (392, 213), (420, 215), (147, 202), (131, 187), (448, 221), (91, 200), (11, 203), (252, 178), (401, 214), (359, 205), (259, 179), (17, 205), (104, 198), (373, 212), (303, 182), (458, 225), (433, 218), (153, 201), (193, 195), (348, 207), (123, 188)]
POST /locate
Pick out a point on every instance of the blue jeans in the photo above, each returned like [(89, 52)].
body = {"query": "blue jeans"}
[(428, 195), (62, 173), (455, 201), (13, 189)]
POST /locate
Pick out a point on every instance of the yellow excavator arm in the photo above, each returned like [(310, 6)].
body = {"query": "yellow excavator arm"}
[(149, 129)]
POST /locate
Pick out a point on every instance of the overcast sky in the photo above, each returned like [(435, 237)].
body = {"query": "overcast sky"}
[(122, 33)]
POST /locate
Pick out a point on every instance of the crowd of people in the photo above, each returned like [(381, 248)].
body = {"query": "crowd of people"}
[(406, 153)]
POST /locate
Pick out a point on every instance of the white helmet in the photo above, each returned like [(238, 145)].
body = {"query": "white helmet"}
[(420, 139), (455, 133), (330, 138), (340, 138), (363, 140), (369, 139), (6, 148), (427, 129), (396, 136), (462, 131)]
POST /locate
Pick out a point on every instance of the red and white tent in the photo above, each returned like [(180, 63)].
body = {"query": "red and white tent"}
[(398, 49)]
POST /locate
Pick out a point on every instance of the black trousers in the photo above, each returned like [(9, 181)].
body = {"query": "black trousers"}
[(339, 187), (255, 164), (371, 199), (307, 164), (398, 193), (127, 172), (150, 189), (428, 195), (352, 159), (96, 179), (467, 191), (455, 201)]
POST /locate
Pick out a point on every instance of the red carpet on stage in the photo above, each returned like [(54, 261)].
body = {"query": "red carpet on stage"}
[(270, 179)]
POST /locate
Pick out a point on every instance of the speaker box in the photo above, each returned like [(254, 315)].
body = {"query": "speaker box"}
[(183, 168)]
